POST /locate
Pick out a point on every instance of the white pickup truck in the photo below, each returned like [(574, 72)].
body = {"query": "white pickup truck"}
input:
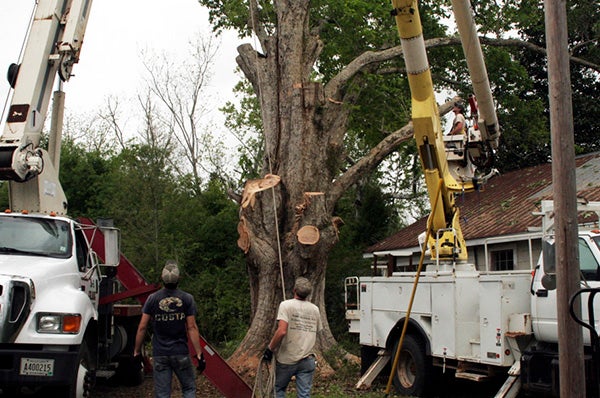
[(474, 323)]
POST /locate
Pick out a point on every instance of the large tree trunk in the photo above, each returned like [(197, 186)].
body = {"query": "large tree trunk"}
[(303, 149)]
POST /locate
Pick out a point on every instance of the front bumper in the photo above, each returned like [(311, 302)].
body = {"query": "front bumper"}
[(65, 362)]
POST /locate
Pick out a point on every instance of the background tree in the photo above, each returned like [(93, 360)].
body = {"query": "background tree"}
[(584, 36), (162, 215), (178, 89), (159, 184)]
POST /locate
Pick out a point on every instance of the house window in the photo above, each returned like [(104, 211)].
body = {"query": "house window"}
[(502, 260)]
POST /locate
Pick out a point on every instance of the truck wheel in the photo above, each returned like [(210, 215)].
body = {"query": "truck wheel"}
[(414, 368), (83, 378), (85, 374)]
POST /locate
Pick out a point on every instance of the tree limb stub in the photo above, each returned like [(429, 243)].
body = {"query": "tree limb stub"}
[(258, 185)]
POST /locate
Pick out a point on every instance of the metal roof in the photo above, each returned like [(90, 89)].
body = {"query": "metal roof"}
[(505, 205)]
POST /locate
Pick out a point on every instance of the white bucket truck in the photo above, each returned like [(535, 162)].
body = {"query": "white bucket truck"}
[(475, 323)]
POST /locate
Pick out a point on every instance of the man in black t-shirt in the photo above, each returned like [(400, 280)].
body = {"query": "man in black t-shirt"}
[(172, 313)]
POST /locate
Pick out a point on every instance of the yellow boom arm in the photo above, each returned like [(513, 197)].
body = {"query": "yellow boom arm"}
[(446, 242)]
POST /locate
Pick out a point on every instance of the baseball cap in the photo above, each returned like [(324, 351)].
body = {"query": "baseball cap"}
[(170, 273)]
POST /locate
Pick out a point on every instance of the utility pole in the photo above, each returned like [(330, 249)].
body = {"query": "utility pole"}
[(570, 335)]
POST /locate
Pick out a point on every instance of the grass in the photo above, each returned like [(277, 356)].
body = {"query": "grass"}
[(337, 388), (341, 389), (342, 384)]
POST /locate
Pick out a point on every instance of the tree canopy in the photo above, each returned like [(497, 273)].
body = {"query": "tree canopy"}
[(514, 41)]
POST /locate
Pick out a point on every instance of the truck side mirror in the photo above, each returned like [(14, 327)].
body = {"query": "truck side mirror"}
[(549, 264), (112, 252), (549, 256), (112, 242), (549, 281)]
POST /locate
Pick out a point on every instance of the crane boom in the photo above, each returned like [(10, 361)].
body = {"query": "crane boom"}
[(53, 46), (455, 170), (488, 121)]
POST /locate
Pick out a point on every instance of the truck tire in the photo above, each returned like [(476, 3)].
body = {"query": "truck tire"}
[(412, 375), (84, 376)]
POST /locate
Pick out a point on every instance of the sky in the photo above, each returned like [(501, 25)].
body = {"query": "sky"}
[(117, 32)]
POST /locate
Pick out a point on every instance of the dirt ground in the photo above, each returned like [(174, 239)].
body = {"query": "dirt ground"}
[(106, 389), (340, 386)]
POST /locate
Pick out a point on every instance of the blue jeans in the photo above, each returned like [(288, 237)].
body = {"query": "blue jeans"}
[(182, 365), (304, 370)]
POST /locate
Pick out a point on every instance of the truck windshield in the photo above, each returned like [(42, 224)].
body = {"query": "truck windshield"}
[(35, 236)]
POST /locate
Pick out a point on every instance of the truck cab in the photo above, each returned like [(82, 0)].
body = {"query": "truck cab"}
[(50, 283), (539, 371), (43, 261), (543, 306)]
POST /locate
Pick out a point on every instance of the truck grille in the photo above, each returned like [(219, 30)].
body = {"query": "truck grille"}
[(15, 305)]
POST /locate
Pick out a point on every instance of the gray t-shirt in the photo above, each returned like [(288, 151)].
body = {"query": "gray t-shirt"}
[(304, 321)]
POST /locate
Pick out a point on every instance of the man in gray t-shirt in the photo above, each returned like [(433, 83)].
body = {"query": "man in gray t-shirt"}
[(298, 323)]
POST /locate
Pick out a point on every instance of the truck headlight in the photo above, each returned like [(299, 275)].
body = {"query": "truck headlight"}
[(58, 323)]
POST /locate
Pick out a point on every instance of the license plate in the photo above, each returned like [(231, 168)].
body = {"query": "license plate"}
[(37, 367)]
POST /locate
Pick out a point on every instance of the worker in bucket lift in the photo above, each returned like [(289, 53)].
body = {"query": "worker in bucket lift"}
[(173, 316), (299, 321), (459, 124)]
